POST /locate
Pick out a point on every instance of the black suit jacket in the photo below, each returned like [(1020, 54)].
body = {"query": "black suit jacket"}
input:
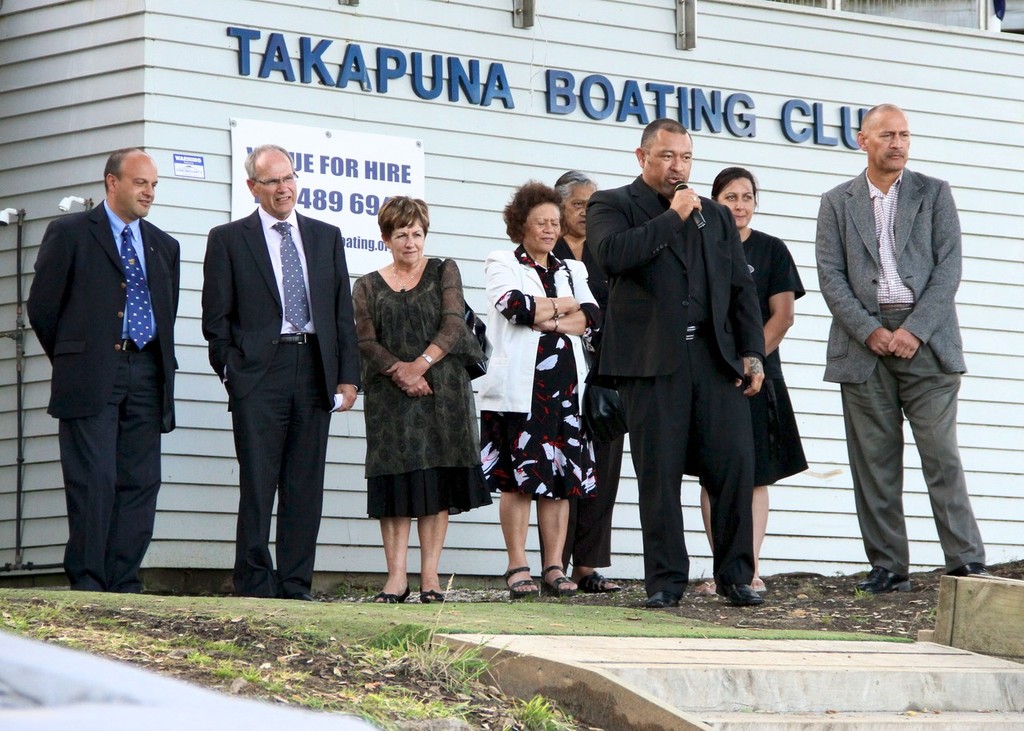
[(242, 311), (632, 234), (76, 307)]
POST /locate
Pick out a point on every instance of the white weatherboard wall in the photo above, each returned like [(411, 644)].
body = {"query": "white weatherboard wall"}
[(78, 79)]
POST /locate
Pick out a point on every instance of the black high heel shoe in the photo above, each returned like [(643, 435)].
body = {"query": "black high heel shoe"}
[(426, 597), (383, 598)]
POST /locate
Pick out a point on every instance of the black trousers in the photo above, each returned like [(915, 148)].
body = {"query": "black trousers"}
[(111, 466), (694, 421), (280, 433), (588, 540)]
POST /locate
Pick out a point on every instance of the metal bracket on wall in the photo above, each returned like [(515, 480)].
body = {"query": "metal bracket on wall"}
[(348, 2), (686, 24), (522, 13)]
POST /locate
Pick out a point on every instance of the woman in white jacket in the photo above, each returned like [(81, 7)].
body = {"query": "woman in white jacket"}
[(533, 446)]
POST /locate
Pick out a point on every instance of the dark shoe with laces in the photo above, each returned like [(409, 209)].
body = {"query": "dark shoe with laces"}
[(662, 600), (739, 595), (970, 569), (882, 580)]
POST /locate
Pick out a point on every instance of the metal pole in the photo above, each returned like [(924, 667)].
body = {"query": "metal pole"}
[(19, 362)]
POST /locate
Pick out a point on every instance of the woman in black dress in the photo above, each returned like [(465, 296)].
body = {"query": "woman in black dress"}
[(777, 449), (422, 459), (533, 447)]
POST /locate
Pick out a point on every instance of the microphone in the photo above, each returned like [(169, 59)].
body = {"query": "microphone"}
[(696, 215)]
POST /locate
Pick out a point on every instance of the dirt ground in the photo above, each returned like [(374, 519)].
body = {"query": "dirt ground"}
[(291, 670), (802, 601), (798, 601)]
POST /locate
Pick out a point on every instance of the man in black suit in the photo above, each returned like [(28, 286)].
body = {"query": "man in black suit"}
[(683, 338), (277, 312), (103, 304)]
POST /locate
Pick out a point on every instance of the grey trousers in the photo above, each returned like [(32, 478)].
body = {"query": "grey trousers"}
[(873, 412)]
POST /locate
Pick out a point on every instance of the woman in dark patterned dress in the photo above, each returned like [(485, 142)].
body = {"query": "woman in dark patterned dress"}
[(533, 446), (421, 428), (777, 449)]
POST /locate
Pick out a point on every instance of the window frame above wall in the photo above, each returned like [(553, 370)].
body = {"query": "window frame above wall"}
[(983, 11)]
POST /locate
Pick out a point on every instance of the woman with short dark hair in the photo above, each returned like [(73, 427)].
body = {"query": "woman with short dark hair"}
[(422, 459), (533, 446)]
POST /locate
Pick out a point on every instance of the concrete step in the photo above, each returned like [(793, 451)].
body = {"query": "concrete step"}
[(911, 721), (780, 684), (815, 677)]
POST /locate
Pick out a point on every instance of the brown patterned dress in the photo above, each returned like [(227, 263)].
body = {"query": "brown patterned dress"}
[(422, 454)]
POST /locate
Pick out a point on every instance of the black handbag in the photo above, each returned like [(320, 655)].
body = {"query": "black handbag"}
[(478, 330), (604, 419)]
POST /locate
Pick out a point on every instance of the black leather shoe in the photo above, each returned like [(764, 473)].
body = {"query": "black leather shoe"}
[(661, 600), (740, 595), (970, 569), (882, 580), (301, 597)]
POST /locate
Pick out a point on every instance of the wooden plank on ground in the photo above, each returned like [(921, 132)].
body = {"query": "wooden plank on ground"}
[(982, 614)]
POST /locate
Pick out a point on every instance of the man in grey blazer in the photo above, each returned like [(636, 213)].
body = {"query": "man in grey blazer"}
[(888, 252), (277, 313)]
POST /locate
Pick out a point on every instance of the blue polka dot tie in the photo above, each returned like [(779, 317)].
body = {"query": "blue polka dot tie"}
[(138, 308), (296, 306)]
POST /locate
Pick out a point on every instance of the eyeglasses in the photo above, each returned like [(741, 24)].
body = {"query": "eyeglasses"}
[(274, 182)]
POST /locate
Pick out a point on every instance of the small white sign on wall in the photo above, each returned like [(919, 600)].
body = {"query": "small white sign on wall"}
[(343, 178), (189, 166)]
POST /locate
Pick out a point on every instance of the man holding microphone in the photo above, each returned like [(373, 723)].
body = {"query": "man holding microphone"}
[(684, 340)]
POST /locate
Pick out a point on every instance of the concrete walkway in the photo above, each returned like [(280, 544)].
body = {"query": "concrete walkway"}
[(734, 685)]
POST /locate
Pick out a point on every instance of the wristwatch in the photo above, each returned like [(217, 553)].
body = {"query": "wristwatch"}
[(424, 356)]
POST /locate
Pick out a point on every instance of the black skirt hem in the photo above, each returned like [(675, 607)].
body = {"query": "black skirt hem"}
[(426, 492)]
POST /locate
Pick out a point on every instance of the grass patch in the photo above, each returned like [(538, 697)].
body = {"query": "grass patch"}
[(538, 714), (384, 663)]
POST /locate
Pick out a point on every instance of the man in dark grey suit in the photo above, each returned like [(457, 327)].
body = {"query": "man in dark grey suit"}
[(888, 251), (277, 313), (103, 304), (684, 341)]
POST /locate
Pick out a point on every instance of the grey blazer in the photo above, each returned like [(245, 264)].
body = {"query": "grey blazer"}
[(928, 258)]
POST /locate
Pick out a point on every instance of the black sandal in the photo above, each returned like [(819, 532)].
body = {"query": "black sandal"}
[(431, 596), (383, 598), (595, 583), (555, 588), (514, 590)]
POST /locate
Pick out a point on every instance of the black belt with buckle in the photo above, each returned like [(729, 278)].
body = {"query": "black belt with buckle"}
[(694, 330), (296, 338), (129, 346)]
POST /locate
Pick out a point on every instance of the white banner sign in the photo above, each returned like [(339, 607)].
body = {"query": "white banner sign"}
[(343, 179)]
